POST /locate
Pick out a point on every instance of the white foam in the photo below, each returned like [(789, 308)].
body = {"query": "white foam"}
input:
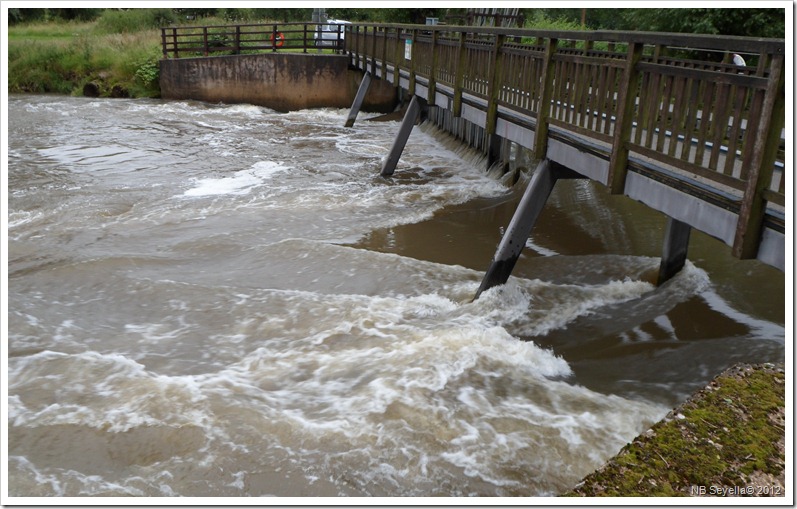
[(544, 251), (241, 183), (18, 218)]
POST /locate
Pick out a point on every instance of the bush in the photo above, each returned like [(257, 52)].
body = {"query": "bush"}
[(148, 71), (133, 20)]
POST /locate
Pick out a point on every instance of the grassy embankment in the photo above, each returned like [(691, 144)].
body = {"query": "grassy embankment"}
[(61, 57)]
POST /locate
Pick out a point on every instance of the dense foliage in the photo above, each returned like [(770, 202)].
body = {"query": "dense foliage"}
[(751, 21)]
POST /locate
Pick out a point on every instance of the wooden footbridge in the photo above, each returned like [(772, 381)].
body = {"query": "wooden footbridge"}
[(674, 121)]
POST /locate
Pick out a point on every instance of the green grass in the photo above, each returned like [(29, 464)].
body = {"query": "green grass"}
[(53, 31), (62, 57)]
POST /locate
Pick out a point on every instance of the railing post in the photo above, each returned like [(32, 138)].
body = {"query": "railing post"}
[(626, 100), (433, 70), (546, 91), (174, 38), (495, 84), (460, 75), (372, 52), (397, 56), (357, 46), (384, 53), (413, 39), (338, 42), (237, 46), (205, 47), (765, 148)]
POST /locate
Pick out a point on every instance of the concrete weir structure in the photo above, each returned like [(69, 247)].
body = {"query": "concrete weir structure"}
[(280, 81)]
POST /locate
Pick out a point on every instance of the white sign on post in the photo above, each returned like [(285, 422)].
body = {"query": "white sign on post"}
[(408, 49)]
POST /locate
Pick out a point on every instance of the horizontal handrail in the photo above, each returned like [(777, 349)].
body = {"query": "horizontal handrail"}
[(192, 41), (674, 40)]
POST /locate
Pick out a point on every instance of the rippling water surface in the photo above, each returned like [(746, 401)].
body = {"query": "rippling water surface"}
[(220, 300)]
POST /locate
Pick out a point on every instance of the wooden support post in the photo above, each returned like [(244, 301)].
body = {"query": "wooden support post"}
[(546, 91), (373, 51), (398, 54), (494, 91), (176, 48), (495, 145), (413, 40), (519, 229), (358, 99), (765, 148), (433, 70), (460, 75), (356, 45), (384, 54), (413, 114), (626, 100), (676, 244)]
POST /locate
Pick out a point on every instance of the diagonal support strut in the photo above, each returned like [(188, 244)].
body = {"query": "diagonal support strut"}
[(415, 111), (523, 220), (358, 99)]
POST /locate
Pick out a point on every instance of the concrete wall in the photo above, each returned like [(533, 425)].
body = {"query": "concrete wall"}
[(280, 81)]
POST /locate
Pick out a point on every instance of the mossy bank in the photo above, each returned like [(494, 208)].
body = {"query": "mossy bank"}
[(726, 440)]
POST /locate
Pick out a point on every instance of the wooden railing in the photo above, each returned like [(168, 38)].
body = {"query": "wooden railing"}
[(674, 98), (188, 41)]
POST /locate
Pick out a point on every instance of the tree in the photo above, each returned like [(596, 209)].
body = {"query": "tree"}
[(749, 22), (746, 22)]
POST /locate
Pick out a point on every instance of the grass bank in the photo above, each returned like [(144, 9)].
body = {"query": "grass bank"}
[(116, 55), (726, 440), (62, 58)]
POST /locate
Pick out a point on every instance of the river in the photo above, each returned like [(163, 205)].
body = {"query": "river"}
[(221, 300)]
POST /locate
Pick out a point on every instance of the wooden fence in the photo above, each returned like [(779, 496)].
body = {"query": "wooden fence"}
[(192, 41)]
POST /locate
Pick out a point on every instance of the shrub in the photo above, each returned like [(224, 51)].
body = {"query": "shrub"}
[(147, 71), (133, 20)]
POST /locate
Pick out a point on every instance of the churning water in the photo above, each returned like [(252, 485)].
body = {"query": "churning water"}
[(220, 300)]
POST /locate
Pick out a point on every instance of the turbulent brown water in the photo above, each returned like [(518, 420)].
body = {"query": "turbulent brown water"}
[(220, 300)]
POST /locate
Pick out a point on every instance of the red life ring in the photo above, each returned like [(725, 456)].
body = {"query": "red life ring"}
[(280, 40)]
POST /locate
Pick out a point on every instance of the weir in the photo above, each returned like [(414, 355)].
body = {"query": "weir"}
[(665, 119), (700, 141)]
